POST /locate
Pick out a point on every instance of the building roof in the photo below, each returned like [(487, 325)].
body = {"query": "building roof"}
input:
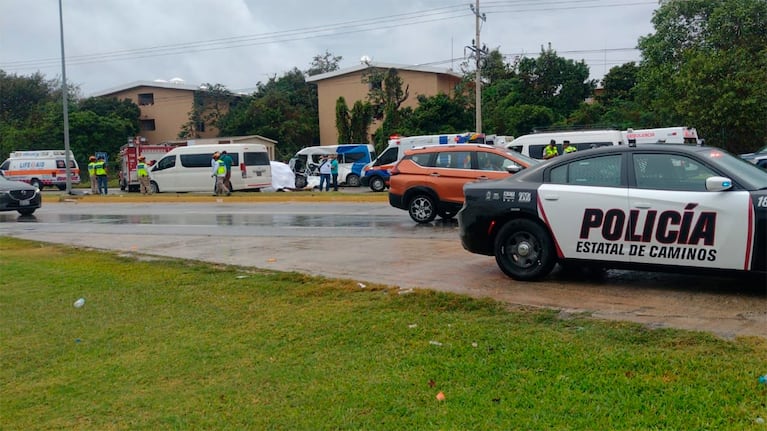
[(363, 66), (173, 84)]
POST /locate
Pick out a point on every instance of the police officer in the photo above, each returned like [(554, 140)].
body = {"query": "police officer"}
[(143, 176), (568, 148), (550, 151), (92, 174), (100, 167)]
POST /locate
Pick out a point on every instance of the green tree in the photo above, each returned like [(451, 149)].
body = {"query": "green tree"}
[(343, 121), (438, 114), (283, 109), (361, 119), (618, 84), (554, 82), (323, 63), (210, 104), (386, 96), (706, 66)]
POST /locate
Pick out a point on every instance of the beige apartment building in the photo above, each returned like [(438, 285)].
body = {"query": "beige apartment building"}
[(164, 106), (347, 83)]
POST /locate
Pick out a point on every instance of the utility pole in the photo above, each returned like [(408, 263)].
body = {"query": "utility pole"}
[(478, 56), (64, 91)]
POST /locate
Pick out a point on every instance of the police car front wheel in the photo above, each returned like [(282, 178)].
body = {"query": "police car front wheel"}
[(524, 250)]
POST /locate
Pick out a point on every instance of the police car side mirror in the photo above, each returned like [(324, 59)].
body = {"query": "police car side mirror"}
[(718, 184)]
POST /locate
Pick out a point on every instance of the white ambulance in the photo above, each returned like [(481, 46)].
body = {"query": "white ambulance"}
[(41, 168), (663, 135)]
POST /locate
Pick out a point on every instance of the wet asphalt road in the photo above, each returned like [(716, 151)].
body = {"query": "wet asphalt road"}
[(374, 243)]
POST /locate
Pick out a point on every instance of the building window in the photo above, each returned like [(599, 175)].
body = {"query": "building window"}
[(200, 126), (147, 125), (145, 99)]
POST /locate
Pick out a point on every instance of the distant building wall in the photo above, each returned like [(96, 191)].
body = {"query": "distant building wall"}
[(348, 84)]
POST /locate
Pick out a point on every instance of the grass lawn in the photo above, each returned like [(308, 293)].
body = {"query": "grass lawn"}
[(179, 345)]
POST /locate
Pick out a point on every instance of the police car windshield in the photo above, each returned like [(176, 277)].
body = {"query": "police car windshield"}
[(754, 176)]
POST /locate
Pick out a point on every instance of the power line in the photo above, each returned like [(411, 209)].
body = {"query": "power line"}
[(342, 28)]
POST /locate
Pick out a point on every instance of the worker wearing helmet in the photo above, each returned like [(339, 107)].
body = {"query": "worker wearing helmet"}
[(92, 174), (142, 171)]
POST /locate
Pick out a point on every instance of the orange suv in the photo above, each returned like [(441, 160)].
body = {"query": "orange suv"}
[(428, 181)]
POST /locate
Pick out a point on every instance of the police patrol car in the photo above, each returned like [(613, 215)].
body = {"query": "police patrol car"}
[(652, 207)]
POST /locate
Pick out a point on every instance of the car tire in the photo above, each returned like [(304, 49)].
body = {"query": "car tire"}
[(524, 250), (377, 184), (300, 181), (352, 180), (154, 187), (422, 209), (36, 183), (27, 211), (61, 187)]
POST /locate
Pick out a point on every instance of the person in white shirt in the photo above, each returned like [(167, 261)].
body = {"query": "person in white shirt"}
[(325, 171)]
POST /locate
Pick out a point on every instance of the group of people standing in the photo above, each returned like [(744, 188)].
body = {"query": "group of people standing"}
[(97, 171), (328, 171), (551, 150)]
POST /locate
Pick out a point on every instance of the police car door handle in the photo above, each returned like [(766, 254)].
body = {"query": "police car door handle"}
[(642, 205), (550, 196)]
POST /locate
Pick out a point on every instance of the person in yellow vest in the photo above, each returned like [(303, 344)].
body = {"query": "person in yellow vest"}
[(92, 174), (219, 172), (101, 175), (142, 171), (567, 147), (550, 151)]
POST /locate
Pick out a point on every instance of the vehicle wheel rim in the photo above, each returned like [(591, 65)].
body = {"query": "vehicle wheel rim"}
[(421, 209), (523, 250), (377, 184)]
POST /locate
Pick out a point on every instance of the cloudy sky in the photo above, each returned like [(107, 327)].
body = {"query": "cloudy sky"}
[(237, 43)]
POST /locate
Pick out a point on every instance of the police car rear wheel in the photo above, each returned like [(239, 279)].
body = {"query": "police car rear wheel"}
[(524, 250), (421, 209), (377, 184)]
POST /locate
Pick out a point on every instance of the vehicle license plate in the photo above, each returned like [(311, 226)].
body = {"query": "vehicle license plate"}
[(25, 202)]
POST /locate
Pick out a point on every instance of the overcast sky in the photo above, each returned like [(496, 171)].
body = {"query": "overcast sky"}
[(237, 43)]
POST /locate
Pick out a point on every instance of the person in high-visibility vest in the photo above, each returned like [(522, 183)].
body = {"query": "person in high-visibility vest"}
[(567, 147), (550, 151), (101, 175), (92, 174), (142, 171), (219, 172)]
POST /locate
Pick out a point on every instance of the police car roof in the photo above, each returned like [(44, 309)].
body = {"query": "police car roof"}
[(535, 173)]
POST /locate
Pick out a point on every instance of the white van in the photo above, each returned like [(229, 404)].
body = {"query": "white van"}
[(188, 169), (351, 159), (532, 145), (41, 168)]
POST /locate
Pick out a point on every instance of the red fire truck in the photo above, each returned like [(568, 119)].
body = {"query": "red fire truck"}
[(129, 154)]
